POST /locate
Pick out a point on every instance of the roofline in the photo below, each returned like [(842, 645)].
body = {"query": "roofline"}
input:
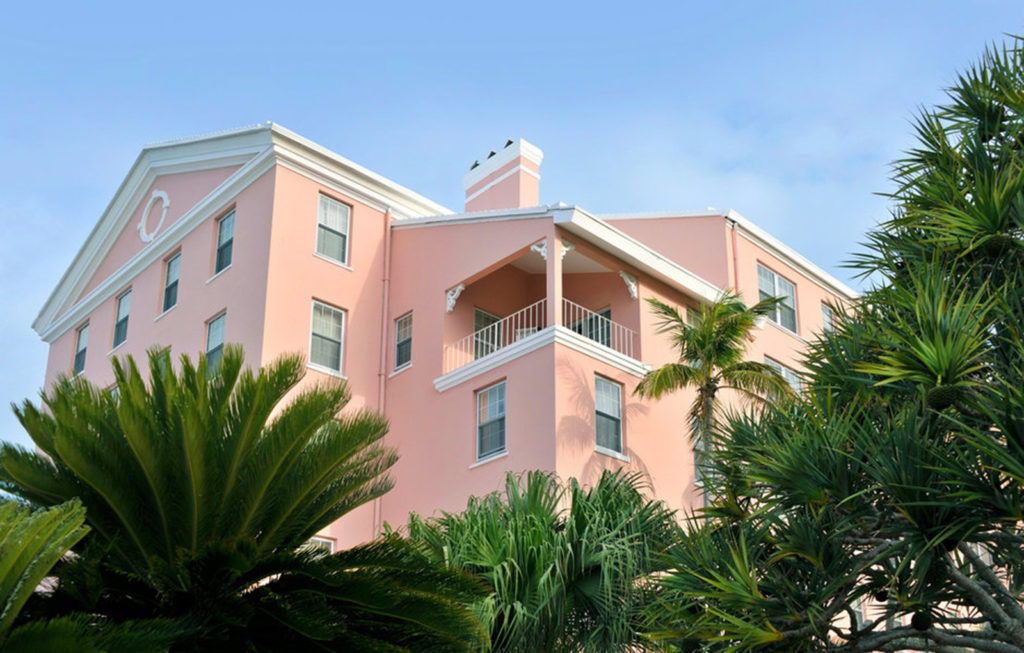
[(758, 235), (234, 147)]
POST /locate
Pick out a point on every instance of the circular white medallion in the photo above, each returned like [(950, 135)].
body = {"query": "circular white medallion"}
[(144, 235)]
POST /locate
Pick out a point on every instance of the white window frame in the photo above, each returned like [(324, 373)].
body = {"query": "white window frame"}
[(341, 353), (598, 379), (127, 294), (788, 373), (217, 244), (223, 315), (317, 540), (828, 317), (398, 326), (776, 316), (167, 282), (80, 348), (347, 233), (504, 417)]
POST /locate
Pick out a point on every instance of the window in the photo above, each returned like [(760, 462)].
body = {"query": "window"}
[(124, 306), (791, 377), (171, 282), (608, 406), (325, 350), (490, 421), (332, 229), (403, 340), (826, 317), (225, 240), (771, 284), (318, 543), (215, 341), (81, 343), (487, 333)]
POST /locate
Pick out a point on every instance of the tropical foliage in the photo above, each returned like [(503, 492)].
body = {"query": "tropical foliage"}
[(711, 346), (568, 568), (884, 511), (202, 489)]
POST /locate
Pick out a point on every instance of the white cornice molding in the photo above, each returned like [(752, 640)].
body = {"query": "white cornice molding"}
[(546, 336), (161, 245)]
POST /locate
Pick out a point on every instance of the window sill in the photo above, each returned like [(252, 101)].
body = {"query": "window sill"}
[(326, 370), (490, 458), (217, 275), (159, 317), (611, 453), (776, 325), (116, 347), (399, 370), (333, 261)]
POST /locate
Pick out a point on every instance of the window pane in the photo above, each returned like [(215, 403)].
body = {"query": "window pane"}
[(787, 317), (826, 317), (765, 281), (491, 403), (333, 215), (120, 331), (170, 296), (173, 266), (83, 338), (124, 305), (492, 437), (786, 291), (403, 340), (226, 228), (326, 353), (327, 322), (215, 333), (224, 255), (608, 398), (609, 433), (330, 244)]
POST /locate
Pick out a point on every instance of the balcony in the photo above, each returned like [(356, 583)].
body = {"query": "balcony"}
[(531, 322)]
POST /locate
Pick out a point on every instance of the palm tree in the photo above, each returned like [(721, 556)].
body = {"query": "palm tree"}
[(711, 346), (561, 578), (202, 490)]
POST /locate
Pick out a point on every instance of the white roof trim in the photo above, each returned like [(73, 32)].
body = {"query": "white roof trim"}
[(755, 234), (608, 238), (257, 149)]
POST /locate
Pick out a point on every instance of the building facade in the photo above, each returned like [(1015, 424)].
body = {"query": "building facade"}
[(507, 337)]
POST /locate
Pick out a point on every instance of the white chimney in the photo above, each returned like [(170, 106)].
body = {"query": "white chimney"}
[(508, 178)]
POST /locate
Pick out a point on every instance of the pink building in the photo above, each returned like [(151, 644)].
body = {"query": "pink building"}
[(506, 337)]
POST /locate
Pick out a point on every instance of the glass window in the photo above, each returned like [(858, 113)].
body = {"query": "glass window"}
[(225, 241), (826, 317), (770, 284), (332, 229), (124, 306), (215, 341), (171, 282), (490, 421), (327, 338), (608, 403), (81, 344), (321, 544), (403, 340), (791, 377)]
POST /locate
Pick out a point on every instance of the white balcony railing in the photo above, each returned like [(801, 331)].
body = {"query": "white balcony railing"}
[(598, 328), (495, 337)]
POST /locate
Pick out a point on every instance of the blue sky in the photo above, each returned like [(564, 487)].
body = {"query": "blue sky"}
[(788, 112)]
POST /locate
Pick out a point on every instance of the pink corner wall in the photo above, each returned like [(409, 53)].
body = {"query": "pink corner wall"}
[(699, 244)]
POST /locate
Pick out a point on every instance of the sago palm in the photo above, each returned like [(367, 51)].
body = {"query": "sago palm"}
[(569, 568), (711, 349), (202, 490)]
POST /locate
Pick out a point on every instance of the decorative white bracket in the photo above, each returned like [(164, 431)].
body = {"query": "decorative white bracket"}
[(631, 284), (147, 236), (453, 296), (541, 248), (567, 247)]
